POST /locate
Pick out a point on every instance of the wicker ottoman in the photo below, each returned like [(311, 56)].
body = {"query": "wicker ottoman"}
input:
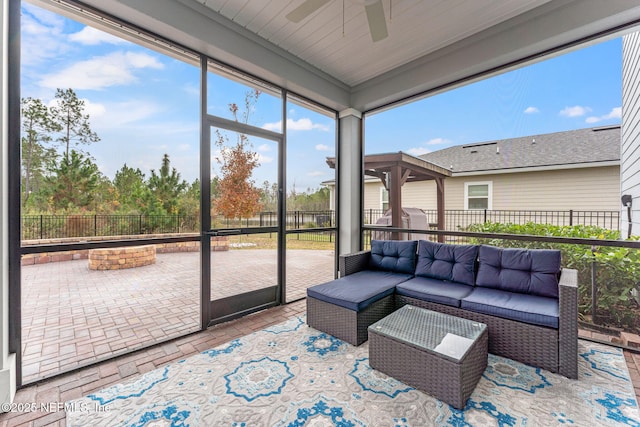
[(439, 354)]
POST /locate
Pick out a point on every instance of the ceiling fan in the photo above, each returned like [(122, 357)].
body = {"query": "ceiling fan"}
[(373, 8)]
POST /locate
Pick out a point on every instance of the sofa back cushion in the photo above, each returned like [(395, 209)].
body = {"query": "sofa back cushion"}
[(526, 271), (456, 263), (393, 255)]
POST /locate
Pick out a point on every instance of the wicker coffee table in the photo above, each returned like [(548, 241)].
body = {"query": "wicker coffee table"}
[(434, 352)]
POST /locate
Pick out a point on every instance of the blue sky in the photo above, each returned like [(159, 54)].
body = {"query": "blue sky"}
[(579, 89), (143, 104)]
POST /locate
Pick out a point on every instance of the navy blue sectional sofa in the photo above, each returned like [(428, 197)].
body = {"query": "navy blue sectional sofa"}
[(528, 301)]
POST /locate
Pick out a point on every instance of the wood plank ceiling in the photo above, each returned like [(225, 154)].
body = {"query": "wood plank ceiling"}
[(336, 39)]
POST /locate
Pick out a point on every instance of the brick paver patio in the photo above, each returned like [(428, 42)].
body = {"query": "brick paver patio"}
[(73, 316), (91, 379)]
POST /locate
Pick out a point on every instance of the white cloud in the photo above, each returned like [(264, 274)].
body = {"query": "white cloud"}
[(275, 126), (438, 141), (106, 116), (264, 147), (418, 151), (191, 89), (91, 36), (316, 173), (575, 111), (615, 113), (264, 159), (41, 35), (531, 110), (301, 124), (43, 16), (101, 72), (94, 109), (184, 147), (323, 147)]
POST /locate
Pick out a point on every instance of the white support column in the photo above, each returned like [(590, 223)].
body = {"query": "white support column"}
[(350, 180), (7, 361)]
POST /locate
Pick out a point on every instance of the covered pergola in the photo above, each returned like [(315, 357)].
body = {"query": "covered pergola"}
[(396, 169)]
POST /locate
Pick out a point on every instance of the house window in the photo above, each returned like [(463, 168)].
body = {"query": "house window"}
[(384, 199), (477, 195)]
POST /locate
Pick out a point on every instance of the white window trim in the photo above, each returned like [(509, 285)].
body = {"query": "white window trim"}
[(489, 185), (382, 191)]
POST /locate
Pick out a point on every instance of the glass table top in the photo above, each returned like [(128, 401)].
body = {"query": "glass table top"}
[(429, 330)]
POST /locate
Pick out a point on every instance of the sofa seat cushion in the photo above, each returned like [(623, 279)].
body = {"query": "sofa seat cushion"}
[(393, 255), (359, 290), (434, 290), (526, 271), (532, 309), (455, 263)]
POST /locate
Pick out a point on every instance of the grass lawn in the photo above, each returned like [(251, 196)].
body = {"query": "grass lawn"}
[(311, 241)]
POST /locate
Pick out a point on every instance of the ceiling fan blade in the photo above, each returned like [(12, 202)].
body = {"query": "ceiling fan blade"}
[(305, 9), (377, 21)]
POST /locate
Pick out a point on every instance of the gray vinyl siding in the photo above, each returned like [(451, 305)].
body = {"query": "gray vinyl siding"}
[(586, 189), (580, 189), (630, 144)]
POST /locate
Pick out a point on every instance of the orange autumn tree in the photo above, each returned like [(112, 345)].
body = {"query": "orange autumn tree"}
[(238, 197)]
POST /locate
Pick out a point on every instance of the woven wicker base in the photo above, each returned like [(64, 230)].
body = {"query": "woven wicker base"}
[(427, 371), (345, 324), (530, 344)]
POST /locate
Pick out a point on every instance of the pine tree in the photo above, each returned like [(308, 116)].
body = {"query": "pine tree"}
[(165, 188), (73, 124), (37, 126), (131, 189), (72, 183)]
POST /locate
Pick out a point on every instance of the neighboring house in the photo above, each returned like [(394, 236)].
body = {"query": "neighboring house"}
[(630, 157), (577, 170)]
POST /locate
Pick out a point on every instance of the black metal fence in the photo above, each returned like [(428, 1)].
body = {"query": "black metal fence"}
[(460, 219), (294, 220), (39, 227), (60, 226)]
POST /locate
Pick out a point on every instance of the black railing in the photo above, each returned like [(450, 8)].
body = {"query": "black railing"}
[(61, 226), (460, 219), (39, 227)]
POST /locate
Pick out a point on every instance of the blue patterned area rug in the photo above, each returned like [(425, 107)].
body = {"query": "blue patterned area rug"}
[(293, 375)]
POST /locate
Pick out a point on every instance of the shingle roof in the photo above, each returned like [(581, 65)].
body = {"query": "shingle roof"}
[(590, 145)]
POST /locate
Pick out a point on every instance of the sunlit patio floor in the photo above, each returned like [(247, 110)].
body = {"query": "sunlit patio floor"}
[(73, 316)]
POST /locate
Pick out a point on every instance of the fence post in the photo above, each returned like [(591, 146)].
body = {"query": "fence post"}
[(95, 224), (570, 217), (594, 285), (485, 216), (140, 224), (41, 227)]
